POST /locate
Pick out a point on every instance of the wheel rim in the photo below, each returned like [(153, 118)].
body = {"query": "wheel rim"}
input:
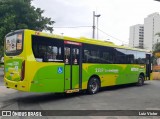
[(94, 86), (140, 81)]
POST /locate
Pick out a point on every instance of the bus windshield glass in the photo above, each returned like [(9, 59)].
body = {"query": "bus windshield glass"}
[(13, 44)]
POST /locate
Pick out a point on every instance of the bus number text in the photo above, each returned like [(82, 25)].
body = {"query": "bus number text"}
[(99, 70)]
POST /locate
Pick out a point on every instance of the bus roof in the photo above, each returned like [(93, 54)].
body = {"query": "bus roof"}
[(85, 40)]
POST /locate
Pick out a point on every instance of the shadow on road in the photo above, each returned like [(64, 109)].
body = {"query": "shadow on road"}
[(32, 98), (118, 87), (27, 99), (43, 97)]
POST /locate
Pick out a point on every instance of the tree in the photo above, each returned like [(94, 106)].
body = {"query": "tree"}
[(157, 45), (20, 14), (156, 51), (158, 34)]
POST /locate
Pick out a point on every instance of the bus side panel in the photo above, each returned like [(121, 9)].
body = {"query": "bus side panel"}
[(48, 79), (111, 74), (121, 74), (106, 73), (128, 73)]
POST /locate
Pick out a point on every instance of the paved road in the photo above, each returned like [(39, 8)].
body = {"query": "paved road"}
[(130, 97)]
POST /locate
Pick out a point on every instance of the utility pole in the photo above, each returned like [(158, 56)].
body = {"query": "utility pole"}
[(97, 23), (94, 15), (93, 35)]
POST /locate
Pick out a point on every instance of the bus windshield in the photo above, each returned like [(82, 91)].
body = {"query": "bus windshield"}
[(13, 43)]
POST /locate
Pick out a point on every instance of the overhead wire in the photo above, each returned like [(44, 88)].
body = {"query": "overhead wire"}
[(111, 36), (72, 27), (96, 28)]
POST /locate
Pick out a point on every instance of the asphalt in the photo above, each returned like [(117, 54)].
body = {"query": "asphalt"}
[(128, 97)]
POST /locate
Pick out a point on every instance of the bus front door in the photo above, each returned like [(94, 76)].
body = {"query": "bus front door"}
[(73, 67), (148, 66)]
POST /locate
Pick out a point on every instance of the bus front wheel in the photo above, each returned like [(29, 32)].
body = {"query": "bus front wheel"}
[(140, 80), (93, 85)]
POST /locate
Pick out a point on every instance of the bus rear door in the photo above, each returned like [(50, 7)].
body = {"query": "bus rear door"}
[(73, 66)]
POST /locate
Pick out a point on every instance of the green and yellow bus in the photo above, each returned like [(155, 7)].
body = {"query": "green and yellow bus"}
[(41, 62)]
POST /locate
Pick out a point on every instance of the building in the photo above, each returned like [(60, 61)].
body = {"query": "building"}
[(151, 27), (136, 36)]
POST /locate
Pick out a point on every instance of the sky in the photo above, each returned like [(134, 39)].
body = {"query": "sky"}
[(74, 18)]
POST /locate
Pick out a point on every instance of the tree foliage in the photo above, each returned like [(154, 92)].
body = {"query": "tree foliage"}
[(20, 14), (157, 45), (158, 34), (156, 51)]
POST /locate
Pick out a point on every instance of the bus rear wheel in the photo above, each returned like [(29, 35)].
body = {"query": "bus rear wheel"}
[(93, 85), (140, 81)]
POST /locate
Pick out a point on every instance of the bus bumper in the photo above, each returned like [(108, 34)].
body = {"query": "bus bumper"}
[(20, 85)]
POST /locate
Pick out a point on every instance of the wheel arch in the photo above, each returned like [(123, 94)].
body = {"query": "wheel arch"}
[(96, 76), (142, 74), (141, 79)]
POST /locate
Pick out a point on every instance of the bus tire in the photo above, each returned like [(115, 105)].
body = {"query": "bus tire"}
[(93, 85), (140, 80)]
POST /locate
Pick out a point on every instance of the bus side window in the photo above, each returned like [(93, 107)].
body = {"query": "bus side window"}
[(86, 56), (67, 55), (47, 49), (107, 55), (45, 57), (140, 57), (120, 56), (75, 58), (130, 56)]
